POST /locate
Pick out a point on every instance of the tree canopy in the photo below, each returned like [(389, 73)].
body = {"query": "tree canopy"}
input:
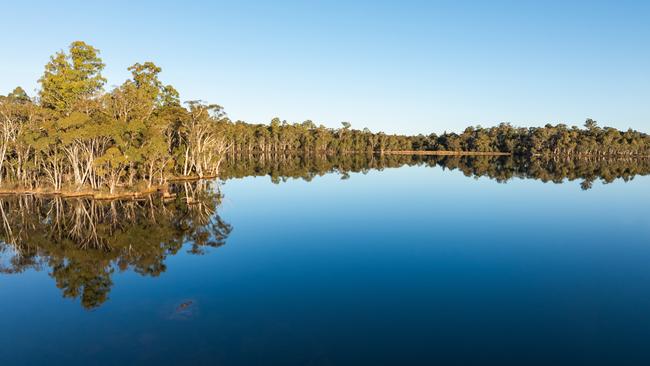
[(76, 136)]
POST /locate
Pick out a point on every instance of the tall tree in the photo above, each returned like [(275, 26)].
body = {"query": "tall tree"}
[(71, 78)]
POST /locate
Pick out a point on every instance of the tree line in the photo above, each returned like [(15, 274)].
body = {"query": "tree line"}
[(74, 135), (550, 140)]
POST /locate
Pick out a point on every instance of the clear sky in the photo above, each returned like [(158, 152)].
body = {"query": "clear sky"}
[(396, 66)]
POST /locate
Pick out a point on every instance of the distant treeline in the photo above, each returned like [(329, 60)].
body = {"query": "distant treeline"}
[(560, 140), (75, 136), (550, 140)]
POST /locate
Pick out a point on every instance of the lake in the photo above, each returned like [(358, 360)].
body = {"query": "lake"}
[(414, 260)]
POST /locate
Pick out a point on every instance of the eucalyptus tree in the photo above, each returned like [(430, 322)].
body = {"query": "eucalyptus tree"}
[(71, 77), (14, 113), (203, 139)]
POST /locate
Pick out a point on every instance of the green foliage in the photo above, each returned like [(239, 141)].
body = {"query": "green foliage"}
[(558, 140), (71, 78), (19, 95)]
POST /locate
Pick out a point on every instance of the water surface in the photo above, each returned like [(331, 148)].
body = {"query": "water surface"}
[(411, 264)]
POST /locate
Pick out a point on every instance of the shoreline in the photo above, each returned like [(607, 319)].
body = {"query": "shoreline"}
[(95, 195), (162, 190), (104, 196)]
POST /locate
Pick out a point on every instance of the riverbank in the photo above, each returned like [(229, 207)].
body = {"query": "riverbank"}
[(163, 190), (96, 195)]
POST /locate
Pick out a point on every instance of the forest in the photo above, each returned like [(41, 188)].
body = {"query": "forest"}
[(75, 136)]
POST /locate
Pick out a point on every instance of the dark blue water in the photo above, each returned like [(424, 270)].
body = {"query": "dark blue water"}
[(412, 265)]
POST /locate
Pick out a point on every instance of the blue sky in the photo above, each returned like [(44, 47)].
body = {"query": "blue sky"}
[(395, 66)]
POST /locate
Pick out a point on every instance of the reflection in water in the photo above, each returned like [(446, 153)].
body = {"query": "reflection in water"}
[(83, 242), (499, 168)]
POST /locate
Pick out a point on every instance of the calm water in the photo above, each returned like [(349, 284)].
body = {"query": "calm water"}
[(409, 265)]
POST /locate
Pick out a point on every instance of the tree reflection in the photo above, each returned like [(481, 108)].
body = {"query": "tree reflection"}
[(83, 242), (500, 168)]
